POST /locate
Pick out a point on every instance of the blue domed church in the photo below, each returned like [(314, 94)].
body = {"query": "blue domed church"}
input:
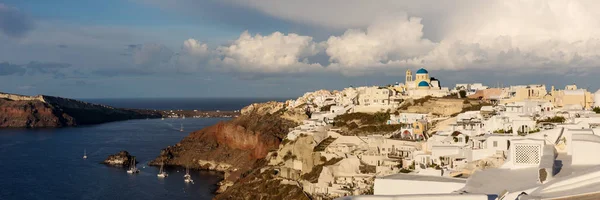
[(422, 81)]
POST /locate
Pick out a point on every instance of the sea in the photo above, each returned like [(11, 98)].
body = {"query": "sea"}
[(205, 104), (48, 163)]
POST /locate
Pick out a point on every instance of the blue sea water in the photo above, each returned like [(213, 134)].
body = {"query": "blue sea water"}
[(207, 104), (47, 163)]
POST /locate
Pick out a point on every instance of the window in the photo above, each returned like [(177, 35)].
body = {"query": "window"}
[(389, 149), (495, 143), (460, 139)]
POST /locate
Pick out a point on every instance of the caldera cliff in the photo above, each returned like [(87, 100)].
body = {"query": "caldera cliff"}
[(19, 111), (238, 149)]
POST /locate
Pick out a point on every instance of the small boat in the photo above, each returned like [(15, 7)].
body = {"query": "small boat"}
[(183, 117), (162, 118), (162, 173), (181, 129), (133, 169), (84, 154), (187, 177)]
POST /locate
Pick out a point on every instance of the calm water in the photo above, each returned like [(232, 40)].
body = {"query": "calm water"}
[(183, 103), (48, 164)]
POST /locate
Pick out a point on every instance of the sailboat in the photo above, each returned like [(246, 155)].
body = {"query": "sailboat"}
[(181, 129), (84, 154), (162, 173), (133, 169), (187, 177)]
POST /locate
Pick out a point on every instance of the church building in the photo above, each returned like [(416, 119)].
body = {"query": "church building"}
[(421, 85)]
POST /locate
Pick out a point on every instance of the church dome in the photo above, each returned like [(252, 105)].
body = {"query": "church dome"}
[(423, 84), (422, 71)]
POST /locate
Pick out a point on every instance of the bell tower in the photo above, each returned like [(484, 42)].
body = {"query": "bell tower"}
[(409, 77)]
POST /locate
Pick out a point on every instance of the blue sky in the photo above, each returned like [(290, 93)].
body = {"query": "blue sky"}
[(284, 48)]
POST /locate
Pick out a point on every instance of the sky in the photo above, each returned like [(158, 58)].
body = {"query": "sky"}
[(284, 48)]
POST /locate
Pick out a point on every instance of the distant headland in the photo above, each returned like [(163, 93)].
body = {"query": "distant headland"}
[(42, 111)]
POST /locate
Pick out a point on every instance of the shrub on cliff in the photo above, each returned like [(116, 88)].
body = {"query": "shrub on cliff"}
[(364, 118), (313, 176), (265, 123), (326, 108)]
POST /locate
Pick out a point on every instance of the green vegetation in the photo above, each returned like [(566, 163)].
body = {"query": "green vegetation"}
[(555, 119), (420, 102), (289, 155), (367, 169), (364, 118), (463, 94), (475, 107), (359, 123), (503, 131), (313, 176), (521, 133), (380, 128), (596, 110), (326, 108)]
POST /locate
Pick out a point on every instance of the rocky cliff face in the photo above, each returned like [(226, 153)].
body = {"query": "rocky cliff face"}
[(30, 114), (237, 147), (47, 111)]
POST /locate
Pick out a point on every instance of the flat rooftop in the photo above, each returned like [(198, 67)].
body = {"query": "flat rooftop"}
[(416, 177)]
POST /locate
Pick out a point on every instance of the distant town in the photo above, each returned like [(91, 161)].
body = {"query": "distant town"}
[(418, 140)]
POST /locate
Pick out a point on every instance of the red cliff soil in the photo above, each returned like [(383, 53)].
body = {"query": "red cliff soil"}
[(60, 112), (31, 114), (240, 143)]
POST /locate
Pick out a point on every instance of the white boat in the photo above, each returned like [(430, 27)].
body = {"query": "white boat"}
[(84, 154), (133, 169), (162, 118), (183, 117), (187, 177), (162, 173)]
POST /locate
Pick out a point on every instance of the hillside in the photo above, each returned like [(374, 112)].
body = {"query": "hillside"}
[(236, 147), (18, 111)]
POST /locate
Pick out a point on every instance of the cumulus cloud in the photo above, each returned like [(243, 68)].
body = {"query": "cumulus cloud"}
[(274, 53), (13, 22), (531, 36), (384, 41), (498, 34)]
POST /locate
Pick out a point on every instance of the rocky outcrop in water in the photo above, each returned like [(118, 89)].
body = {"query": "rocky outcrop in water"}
[(18, 111), (123, 158)]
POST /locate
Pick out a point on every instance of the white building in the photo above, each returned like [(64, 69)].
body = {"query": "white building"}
[(405, 184)]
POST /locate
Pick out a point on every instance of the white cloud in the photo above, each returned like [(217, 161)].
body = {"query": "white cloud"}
[(274, 53), (194, 47), (384, 41), (525, 35)]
